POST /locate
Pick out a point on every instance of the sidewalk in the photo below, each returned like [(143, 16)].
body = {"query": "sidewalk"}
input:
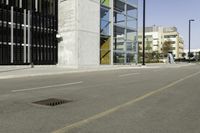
[(7, 72)]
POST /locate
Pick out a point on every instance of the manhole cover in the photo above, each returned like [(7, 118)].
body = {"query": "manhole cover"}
[(52, 102)]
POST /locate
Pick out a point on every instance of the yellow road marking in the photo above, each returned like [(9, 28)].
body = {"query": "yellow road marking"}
[(112, 110)]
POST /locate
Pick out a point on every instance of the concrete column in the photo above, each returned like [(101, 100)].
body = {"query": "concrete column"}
[(125, 37), (67, 47), (79, 30), (136, 42)]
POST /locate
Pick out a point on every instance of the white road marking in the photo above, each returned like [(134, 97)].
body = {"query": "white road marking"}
[(129, 74), (45, 87)]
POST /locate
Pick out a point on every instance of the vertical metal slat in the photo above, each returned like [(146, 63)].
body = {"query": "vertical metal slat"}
[(12, 57), (24, 35), (29, 38)]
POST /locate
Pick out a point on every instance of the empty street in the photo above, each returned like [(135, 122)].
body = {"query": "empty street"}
[(144, 100)]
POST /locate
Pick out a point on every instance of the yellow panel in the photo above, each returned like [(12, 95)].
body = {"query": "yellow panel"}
[(106, 44), (105, 52), (105, 56)]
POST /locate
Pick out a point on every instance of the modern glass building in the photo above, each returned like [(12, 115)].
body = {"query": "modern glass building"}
[(90, 32), (118, 32), (28, 30)]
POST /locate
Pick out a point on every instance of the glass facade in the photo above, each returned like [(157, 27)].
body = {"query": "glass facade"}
[(125, 31), (28, 31), (123, 14)]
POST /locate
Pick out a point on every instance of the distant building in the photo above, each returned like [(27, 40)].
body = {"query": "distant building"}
[(157, 35)]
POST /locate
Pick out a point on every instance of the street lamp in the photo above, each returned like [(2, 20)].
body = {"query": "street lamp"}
[(143, 49), (189, 37)]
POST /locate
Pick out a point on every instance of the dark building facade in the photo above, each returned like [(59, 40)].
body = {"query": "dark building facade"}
[(28, 30)]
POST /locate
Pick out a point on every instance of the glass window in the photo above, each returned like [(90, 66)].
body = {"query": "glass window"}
[(105, 13), (132, 2), (119, 6), (132, 13), (119, 18), (105, 23), (129, 46), (119, 57), (118, 44), (170, 36), (132, 36), (131, 23), (129, 58), (125, 31)]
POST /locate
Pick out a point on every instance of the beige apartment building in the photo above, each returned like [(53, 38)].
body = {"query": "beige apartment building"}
[(157, 35)]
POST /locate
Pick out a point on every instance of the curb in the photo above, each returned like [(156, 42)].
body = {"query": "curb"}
[(88, 70), (75, 71)]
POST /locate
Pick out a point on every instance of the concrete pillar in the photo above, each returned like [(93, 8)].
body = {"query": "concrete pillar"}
[(79, 28), (111, 30)]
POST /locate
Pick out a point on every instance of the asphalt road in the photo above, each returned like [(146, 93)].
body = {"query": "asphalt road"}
[(150, 100)]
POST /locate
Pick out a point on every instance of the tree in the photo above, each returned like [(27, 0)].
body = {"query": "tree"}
[(190, 54), (183, 55), (156, 56), (167, 47), (148, 46), (199, 55), (140, 53), (148, 49)]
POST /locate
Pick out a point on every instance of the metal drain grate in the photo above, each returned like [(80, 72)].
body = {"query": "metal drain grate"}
[(52, 102)]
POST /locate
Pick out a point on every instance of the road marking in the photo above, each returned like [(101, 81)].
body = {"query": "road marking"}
[(113, 110), (158, 70), (129, 74), (45, 87)]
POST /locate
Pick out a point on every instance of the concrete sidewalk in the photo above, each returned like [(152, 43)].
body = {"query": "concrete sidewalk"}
[(7, 72)]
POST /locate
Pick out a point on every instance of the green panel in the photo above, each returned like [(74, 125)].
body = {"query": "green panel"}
[(105, 2)]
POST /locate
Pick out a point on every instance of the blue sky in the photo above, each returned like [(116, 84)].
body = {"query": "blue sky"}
[(174, 13)]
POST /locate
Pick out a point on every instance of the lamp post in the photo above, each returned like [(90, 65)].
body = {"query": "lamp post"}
[(189, 37), (143, 49)]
